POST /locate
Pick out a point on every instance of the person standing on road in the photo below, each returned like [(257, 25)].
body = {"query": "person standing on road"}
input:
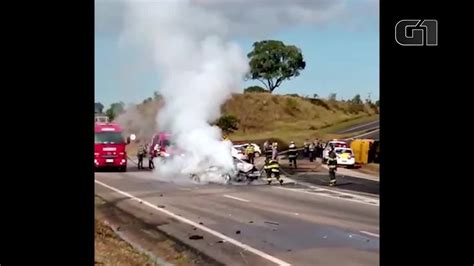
[(141, 154), (332, 165), (250, 151), (274, 150), (272, 167), (153, 154), (267, 149), (292, 154), (311, 149), (306, 148), (321, 148)]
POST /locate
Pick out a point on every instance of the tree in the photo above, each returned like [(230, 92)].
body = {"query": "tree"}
[(98, 108), (356, 99), (114, 110), (254, 89), (315, 96), (272, 62), (228, 123)]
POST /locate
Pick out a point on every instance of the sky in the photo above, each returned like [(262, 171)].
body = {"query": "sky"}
[(341, 52)]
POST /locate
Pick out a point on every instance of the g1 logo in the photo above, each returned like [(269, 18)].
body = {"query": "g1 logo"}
[(416, 32)]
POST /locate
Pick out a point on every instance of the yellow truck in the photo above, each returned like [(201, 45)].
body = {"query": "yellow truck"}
[(365, 150)]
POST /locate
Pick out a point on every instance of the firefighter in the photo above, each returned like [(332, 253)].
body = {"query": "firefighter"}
[(306, 148), (153, 154), (141, 153), (272, 168), (311, 149), (292, 154), (250, 151), (332, 165), (267, 149)]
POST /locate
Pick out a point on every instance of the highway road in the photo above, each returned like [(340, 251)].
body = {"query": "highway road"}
[(253, 224), (370, 130), (361, 127)]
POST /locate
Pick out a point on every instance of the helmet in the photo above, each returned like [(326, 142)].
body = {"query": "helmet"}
[(292, 142)]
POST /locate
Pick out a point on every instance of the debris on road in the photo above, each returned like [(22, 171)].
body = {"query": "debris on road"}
[(161, 195), (141, 202), (161, 206), (200, 223), (196, 237), (237, 232), (289, 250), (220, 241), (194, 228), (274, 223), (118, 228), (250, 222)]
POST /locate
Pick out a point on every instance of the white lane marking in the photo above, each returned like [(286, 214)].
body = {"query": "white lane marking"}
[(364, 125), (204, 228), (363, 200), (365, 134), (369, 233), (236, 198)]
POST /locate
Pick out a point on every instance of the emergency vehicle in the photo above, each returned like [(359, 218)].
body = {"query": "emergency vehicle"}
[(109, 146)]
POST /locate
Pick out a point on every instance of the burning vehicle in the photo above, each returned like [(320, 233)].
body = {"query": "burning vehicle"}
[(242, 172)]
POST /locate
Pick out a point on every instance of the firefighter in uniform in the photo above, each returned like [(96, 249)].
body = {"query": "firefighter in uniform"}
[(250, 151), (292, 154), (141, 154), (272, 167), (332, 165), (267, 149)]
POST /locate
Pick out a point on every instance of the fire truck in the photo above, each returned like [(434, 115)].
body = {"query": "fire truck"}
[(109, 146)]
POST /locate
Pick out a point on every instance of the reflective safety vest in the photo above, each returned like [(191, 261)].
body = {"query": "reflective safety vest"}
[(273, 166), (292, 151), (332, 162), (250, 149)]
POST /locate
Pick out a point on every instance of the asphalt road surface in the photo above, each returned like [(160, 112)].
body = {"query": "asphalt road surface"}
[(252, 224), (361, 127)]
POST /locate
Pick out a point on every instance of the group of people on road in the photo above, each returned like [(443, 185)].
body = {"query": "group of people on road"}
[(143, 151), (311, 150)]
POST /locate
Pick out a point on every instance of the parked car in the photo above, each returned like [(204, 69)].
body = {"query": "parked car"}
[(345, 157), (335, 144)]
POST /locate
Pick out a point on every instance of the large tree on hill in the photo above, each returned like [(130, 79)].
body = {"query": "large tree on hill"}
[(272, 62)]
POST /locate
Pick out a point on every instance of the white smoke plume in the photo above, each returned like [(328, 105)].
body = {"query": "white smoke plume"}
[(199, 70)]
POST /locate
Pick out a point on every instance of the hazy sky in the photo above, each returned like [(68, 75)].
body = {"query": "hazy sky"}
[(339, 41)]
